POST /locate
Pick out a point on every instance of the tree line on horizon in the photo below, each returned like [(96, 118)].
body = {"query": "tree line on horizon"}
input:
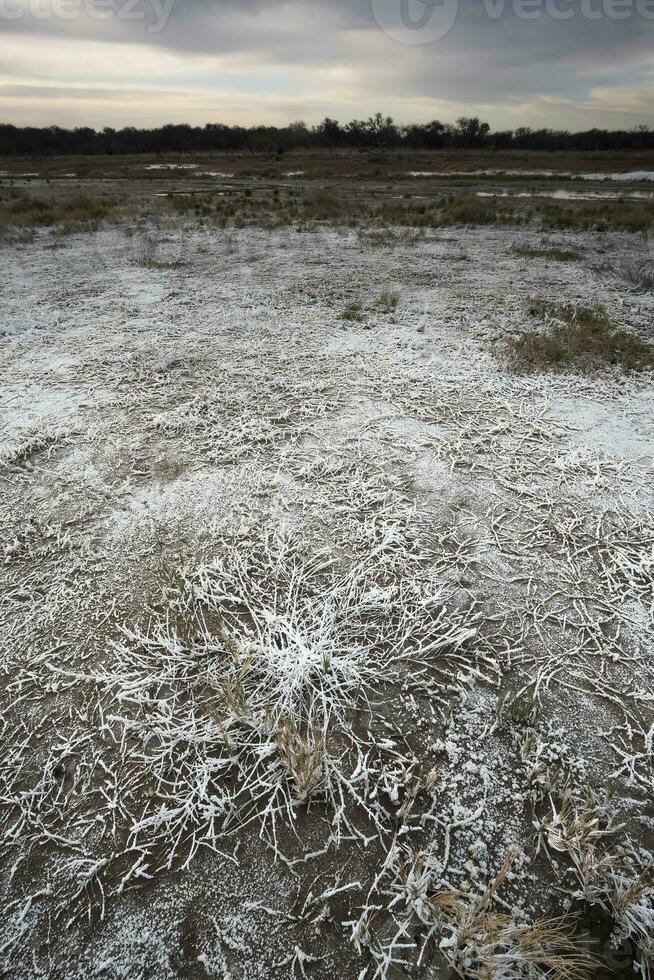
[(377, 132)]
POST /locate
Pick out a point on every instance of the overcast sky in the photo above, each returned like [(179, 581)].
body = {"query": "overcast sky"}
[(562, 63)]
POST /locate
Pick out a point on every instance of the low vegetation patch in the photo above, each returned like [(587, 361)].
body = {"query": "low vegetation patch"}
[(146, 251), (552, 253), (581, 338), (354, 313), (25, 211), (390, 237), (607, 216), (639, 273), (389, 300), (475, 211), (320, 205)]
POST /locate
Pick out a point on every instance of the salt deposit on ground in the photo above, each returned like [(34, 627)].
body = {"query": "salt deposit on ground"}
[(241, 531)]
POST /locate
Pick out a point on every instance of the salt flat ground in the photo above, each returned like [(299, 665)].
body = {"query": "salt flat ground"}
[(308, 620)]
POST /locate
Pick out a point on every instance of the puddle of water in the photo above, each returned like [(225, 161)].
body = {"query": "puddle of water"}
[(196, 194), (488, 173), (170, 166), (630, 176), (565, 195), (212, 173)]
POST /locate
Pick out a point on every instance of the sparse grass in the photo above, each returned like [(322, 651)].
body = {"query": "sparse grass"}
[(75, 213), (390, 237), (484, 943), (321, 205), (389, 300), (607, 216), (551, 253), (477, 211), (382, 215), (303, 758), (32, 445), (343, 191), (383, 219), (639, 273), (16, 236), (265, 656), (582, 338), (354, 313), (335, 704), (576, 823), (146, 252)]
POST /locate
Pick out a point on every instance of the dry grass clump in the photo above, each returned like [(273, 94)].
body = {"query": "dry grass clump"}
[(353, 313), (581, 339), (16, 236), (483, 944), (474, 933), (639, 273), (573, 821), (251, 679), (146, 252), (552, 253), (38, 442), (580, 826), (303, 758), (389, 300), (390, 237), (444, 211)]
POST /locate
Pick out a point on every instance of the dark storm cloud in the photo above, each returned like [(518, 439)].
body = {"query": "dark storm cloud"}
[(217, 26), (498, 53)]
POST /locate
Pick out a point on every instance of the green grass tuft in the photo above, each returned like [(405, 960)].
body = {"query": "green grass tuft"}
[(583, 339)]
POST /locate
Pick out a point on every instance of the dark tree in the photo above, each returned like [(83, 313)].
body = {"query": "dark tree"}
[(378, 131)]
